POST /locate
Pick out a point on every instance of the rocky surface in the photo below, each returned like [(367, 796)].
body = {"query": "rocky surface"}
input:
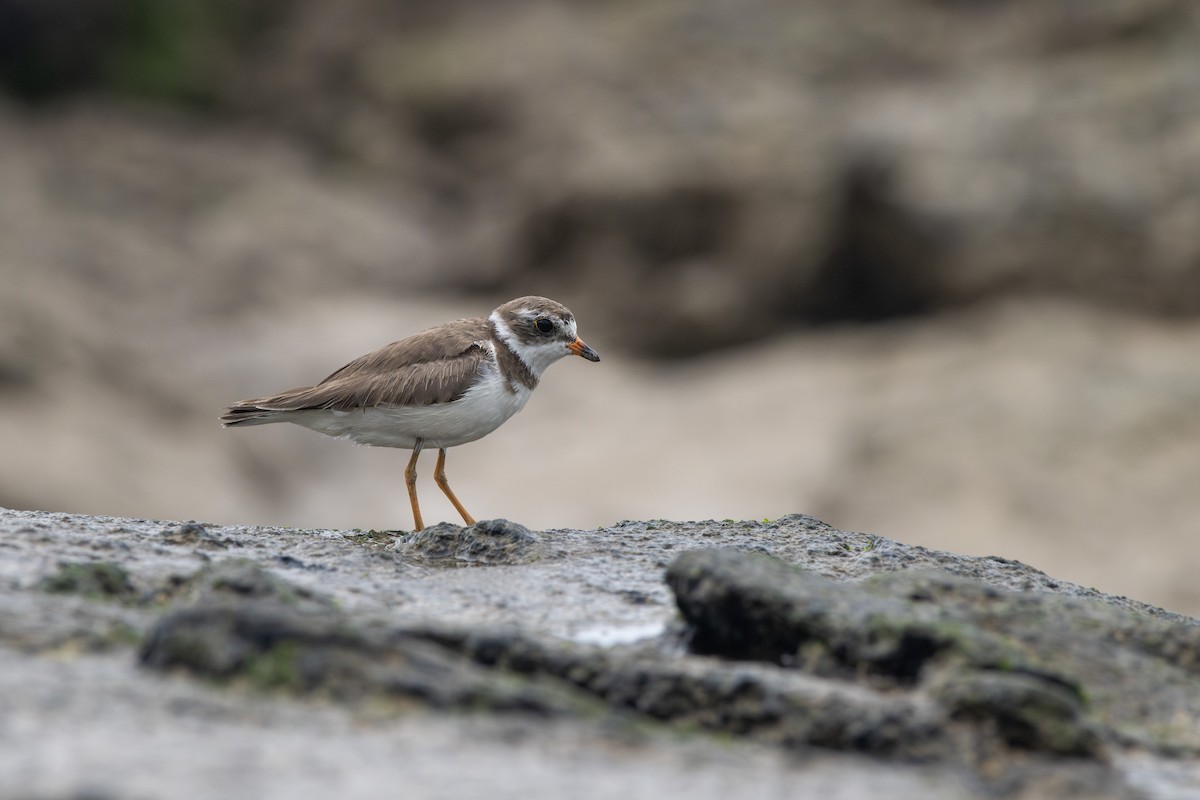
[(169, 658)]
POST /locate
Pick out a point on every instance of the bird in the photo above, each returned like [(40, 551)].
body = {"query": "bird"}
[(445, 386)]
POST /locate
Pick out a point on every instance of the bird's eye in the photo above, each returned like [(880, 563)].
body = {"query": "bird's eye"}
[(544, 325)]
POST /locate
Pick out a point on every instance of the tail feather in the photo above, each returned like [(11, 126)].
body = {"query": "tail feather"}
[(249, 414), (280, 407)]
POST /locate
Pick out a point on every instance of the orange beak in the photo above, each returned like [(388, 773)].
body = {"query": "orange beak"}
[(580, 349)]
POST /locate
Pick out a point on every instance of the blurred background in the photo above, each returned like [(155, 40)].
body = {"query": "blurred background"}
[(928, 269)]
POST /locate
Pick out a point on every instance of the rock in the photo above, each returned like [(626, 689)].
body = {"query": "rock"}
[(766, 705), (977, 673), (1040, 669), (278, 646), (753, 607), (495, 541), (193, 533), (92, 579), (237, 579), (1022, 710), (256, 634)]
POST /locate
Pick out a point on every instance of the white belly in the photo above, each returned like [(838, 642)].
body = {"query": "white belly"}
[(485, 407)]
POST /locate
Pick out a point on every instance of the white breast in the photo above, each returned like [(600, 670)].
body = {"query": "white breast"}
[(484, 407)]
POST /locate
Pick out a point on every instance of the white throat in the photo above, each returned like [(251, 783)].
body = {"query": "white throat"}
[(535, 356)]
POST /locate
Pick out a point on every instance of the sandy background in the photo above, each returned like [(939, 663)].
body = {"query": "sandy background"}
[(946, 293)]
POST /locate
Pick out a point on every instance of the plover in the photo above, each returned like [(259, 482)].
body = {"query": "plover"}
[(443, 387)]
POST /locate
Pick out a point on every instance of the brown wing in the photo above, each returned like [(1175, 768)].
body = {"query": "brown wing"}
[(434, 366)]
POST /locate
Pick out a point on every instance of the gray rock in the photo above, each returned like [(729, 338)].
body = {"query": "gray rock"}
[(804, 640), (494, 541), (767, 705), (1044, 671), (94, 579), (237, 579), (193, 533), (275, 646)]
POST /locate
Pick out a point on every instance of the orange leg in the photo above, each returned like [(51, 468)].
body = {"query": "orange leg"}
[(439, 475), (410, 478)]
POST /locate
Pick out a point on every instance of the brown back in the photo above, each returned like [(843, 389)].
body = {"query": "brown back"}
[(434, 366)]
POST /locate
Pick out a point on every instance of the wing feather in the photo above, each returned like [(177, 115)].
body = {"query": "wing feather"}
[(434, 366)]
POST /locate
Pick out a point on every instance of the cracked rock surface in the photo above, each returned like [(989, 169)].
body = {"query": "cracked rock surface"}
[(649, 659)]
